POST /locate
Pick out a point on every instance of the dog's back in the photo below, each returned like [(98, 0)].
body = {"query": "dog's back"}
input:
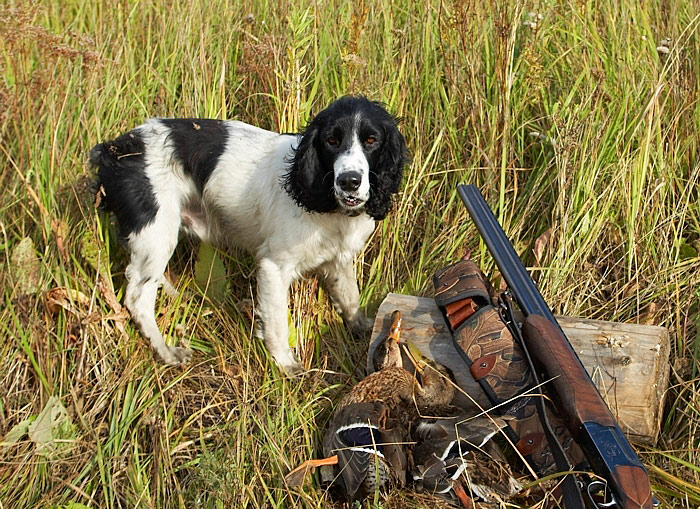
[(172, 160)]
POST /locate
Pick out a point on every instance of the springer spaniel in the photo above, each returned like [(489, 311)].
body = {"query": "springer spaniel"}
[(299, 203)]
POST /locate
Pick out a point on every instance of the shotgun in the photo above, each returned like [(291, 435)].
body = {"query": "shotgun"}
[(587, 417)]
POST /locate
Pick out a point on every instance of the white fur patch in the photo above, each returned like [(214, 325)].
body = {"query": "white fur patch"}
[(353, 160)]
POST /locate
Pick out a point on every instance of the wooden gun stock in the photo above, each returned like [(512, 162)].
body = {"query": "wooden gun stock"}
[(587, 416), (578, 400)]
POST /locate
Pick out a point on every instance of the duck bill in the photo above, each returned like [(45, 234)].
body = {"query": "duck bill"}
[(395, 328)]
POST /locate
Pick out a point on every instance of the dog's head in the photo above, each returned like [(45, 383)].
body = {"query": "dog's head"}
[(349, 159)]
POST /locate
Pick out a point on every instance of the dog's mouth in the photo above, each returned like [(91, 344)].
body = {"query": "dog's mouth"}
[(351, 201), (350, 204)]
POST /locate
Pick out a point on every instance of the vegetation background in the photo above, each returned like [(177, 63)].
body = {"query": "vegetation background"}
[(579, 120)]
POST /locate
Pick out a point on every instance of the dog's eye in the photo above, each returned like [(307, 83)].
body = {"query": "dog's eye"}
[(332, 140), (370, 140)]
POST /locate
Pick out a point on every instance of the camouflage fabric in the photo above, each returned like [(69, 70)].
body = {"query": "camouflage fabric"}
[(463, 279)]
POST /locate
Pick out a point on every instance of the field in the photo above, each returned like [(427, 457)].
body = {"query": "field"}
[(579, 121)]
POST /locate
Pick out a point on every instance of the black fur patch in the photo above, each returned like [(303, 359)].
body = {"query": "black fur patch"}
[(121, 177), (197, 144)]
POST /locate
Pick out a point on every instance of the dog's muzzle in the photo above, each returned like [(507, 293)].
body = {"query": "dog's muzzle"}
[(349, 181), (347, 186)]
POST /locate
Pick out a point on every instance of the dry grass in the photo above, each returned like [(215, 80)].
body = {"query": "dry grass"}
[(577, 119)]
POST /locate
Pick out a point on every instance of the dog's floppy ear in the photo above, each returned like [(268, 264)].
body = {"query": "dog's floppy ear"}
[(306, 181), (385, 178)]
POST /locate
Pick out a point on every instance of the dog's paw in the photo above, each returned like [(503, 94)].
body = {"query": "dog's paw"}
[(169, 289), (288, 363), (174, 355), (360, 325)]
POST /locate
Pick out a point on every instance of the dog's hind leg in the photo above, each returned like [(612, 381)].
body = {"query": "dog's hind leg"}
[(151, 248)]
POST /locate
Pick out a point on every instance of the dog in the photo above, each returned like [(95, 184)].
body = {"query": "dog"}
[(299, 203)]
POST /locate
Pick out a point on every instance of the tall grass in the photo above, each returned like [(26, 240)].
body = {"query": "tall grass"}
[(578, 120)]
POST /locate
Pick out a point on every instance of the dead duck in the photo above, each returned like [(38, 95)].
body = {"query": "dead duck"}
[(367, 434), (369, 444), (456, 459), (394, 385)]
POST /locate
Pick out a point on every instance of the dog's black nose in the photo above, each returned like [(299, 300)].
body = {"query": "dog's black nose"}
[(349, 181)]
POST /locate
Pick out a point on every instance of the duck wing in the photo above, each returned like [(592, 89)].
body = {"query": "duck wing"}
[(459, 451), (370, 454)]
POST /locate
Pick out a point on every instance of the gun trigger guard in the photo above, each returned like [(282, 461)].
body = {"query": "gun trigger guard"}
[(595, 486), (504, 309)]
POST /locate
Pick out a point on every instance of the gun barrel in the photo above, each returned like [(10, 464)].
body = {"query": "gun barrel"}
[(525, 293), (587, 416)]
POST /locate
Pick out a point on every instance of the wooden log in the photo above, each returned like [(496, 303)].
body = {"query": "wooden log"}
[(629, 363)]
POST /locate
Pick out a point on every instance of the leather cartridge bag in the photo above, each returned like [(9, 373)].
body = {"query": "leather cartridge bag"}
[(497, 362)]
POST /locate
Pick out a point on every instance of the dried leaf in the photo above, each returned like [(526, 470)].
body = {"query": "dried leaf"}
[(108, 295), (65, 298), (60, 231), (41, 430), (119, 314), (51, 424), (17, 432), (540, 245), (25, 267)]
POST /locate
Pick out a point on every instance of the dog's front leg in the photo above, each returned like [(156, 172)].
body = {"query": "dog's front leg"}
[(341, 284), (273, 296)]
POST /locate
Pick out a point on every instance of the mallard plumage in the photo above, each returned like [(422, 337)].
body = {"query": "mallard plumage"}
[(368, 432), (454, 457), (369, 444)]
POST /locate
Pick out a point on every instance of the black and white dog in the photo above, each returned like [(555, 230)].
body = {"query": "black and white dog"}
[(300, 203)]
